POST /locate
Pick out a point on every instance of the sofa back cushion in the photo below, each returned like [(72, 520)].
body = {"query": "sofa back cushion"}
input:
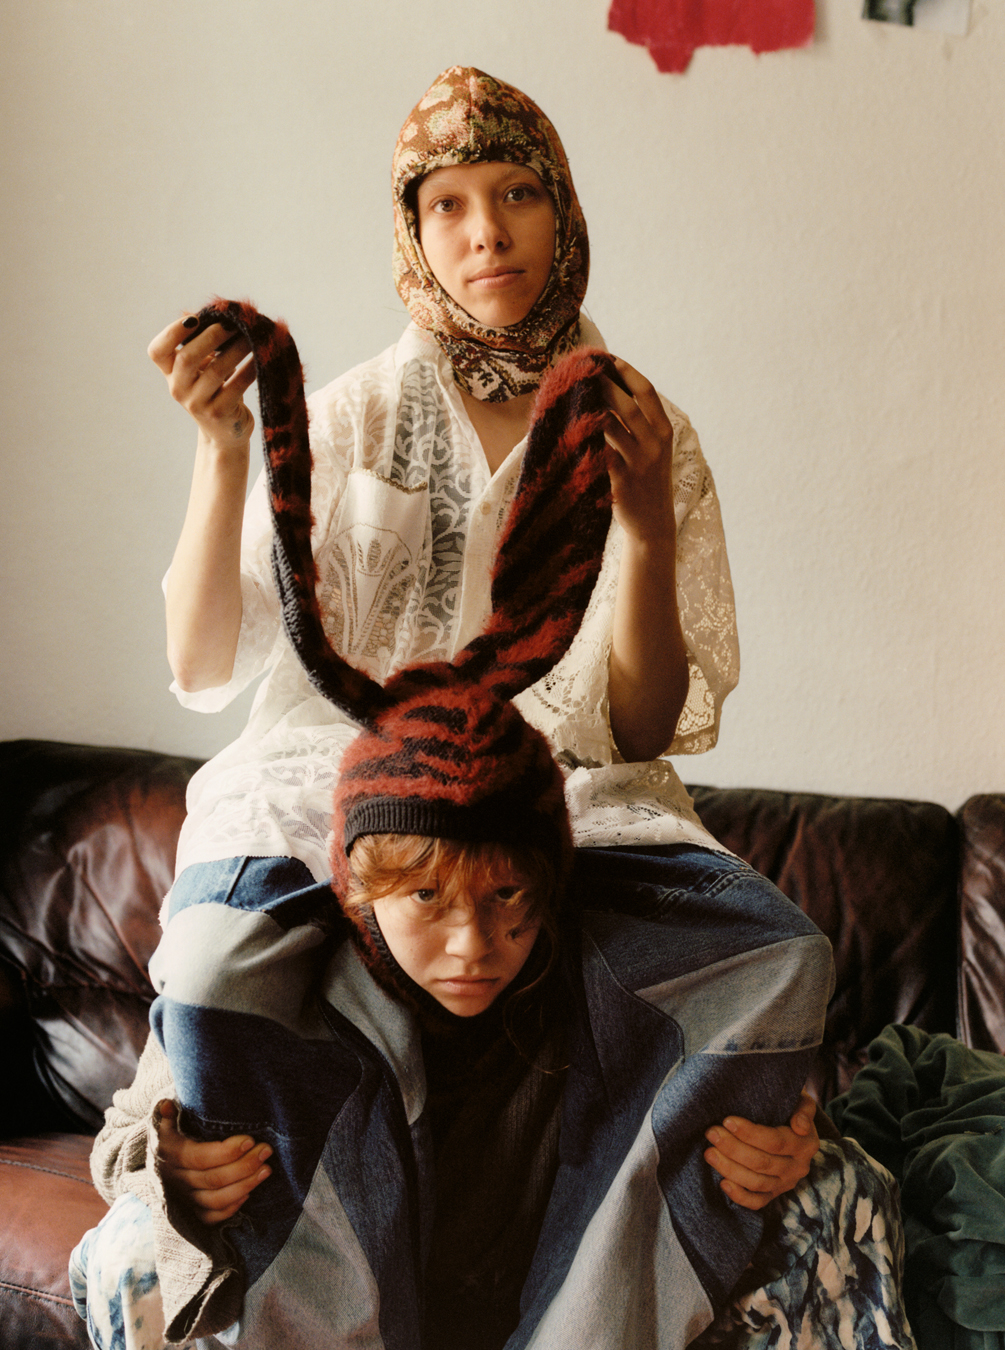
[(88, 846), (879, 877)]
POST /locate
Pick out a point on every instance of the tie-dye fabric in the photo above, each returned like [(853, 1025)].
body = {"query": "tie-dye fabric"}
[(114, 1283), (828, 1274), (467, 117)]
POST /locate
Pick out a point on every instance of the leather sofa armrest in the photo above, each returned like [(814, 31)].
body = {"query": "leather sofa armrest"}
[(982, 923), (86, 855)]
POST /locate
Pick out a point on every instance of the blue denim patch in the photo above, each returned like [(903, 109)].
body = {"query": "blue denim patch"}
[(282, 888)]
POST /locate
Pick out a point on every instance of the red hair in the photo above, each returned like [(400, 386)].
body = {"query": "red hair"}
[(382, 864)]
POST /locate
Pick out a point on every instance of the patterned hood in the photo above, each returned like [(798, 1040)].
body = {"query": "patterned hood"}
[(468, 117)]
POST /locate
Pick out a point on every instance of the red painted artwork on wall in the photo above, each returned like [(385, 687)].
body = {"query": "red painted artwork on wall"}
[(673, 29)]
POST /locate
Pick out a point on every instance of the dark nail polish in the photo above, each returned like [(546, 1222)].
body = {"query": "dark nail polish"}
[(191, 321)]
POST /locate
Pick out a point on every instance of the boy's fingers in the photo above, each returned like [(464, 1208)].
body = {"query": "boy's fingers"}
[(233, 1173), (735, 1133), (804, 1119), (197, 1156), (769, 1138), (736, 1155), (748, 1199), (739, 1175), (225, 1196), (217, 1206), (774, 1162)]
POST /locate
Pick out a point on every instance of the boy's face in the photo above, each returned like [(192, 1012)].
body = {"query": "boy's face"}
[(464, 949)]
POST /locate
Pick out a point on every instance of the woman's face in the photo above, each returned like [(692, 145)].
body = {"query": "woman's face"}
[(464, 949), (488, 235)]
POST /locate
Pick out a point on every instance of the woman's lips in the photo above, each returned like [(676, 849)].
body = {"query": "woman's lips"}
[(497, 279)]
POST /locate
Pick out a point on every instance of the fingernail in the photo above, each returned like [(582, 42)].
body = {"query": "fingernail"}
[(713, 1135), (191, 321), (265, 1152), (246, 1144)]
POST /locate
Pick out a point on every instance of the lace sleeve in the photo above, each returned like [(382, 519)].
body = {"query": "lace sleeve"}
[(570, 703), (704, 594)]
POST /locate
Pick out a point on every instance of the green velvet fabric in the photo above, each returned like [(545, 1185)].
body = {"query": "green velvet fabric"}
[(933, 1111)]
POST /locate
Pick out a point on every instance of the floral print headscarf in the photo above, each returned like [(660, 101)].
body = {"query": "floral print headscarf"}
[(468, 117)]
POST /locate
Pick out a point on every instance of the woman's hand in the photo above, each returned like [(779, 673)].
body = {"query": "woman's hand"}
[(215, 1178), (759, 1162), (648, 678), (640, 440), (208, 375)]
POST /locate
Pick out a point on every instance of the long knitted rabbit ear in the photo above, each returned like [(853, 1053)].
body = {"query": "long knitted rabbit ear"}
[(553, 545), (288, 470)]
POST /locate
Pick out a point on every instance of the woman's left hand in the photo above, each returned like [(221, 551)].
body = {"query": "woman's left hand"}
[(648, 678), (759, 1162), (639, 435)]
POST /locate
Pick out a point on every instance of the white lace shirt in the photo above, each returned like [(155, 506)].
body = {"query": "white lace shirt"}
[(406, 521)]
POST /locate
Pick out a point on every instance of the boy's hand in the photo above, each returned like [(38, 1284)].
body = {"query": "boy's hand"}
[(215, 1178), (759, 1162)]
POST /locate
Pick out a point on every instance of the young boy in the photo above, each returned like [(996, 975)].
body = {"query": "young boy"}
[(487, 1110), (513, 1148)]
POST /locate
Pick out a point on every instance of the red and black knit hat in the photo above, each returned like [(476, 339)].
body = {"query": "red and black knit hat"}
[(443, 752)]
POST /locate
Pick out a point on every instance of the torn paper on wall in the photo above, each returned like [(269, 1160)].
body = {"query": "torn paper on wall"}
[(673, 29)]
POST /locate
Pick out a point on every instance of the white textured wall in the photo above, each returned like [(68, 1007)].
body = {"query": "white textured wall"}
[(804, 250)]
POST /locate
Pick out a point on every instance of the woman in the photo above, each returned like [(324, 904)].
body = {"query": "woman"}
[(416, 456)]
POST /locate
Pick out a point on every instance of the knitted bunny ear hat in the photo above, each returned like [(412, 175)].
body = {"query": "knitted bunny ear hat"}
[(443, 752)]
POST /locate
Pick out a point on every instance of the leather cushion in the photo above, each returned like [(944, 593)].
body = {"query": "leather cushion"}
[(49, 1203), (87, 856), (879, 877)]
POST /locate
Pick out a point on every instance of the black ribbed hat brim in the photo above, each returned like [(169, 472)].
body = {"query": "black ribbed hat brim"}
[(495, 820)]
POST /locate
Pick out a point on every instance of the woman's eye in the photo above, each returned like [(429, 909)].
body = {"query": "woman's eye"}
[(507, 893), (444, 205), (424, 897), (521, 192)]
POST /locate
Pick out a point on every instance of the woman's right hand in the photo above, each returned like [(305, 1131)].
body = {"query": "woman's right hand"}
[(215, 1178), (208, 375)]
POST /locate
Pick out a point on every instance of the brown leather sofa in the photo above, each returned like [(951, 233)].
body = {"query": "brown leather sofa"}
[(912, 897)]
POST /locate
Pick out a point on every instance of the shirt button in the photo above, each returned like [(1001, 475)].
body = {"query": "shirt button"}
[(485, 508)]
